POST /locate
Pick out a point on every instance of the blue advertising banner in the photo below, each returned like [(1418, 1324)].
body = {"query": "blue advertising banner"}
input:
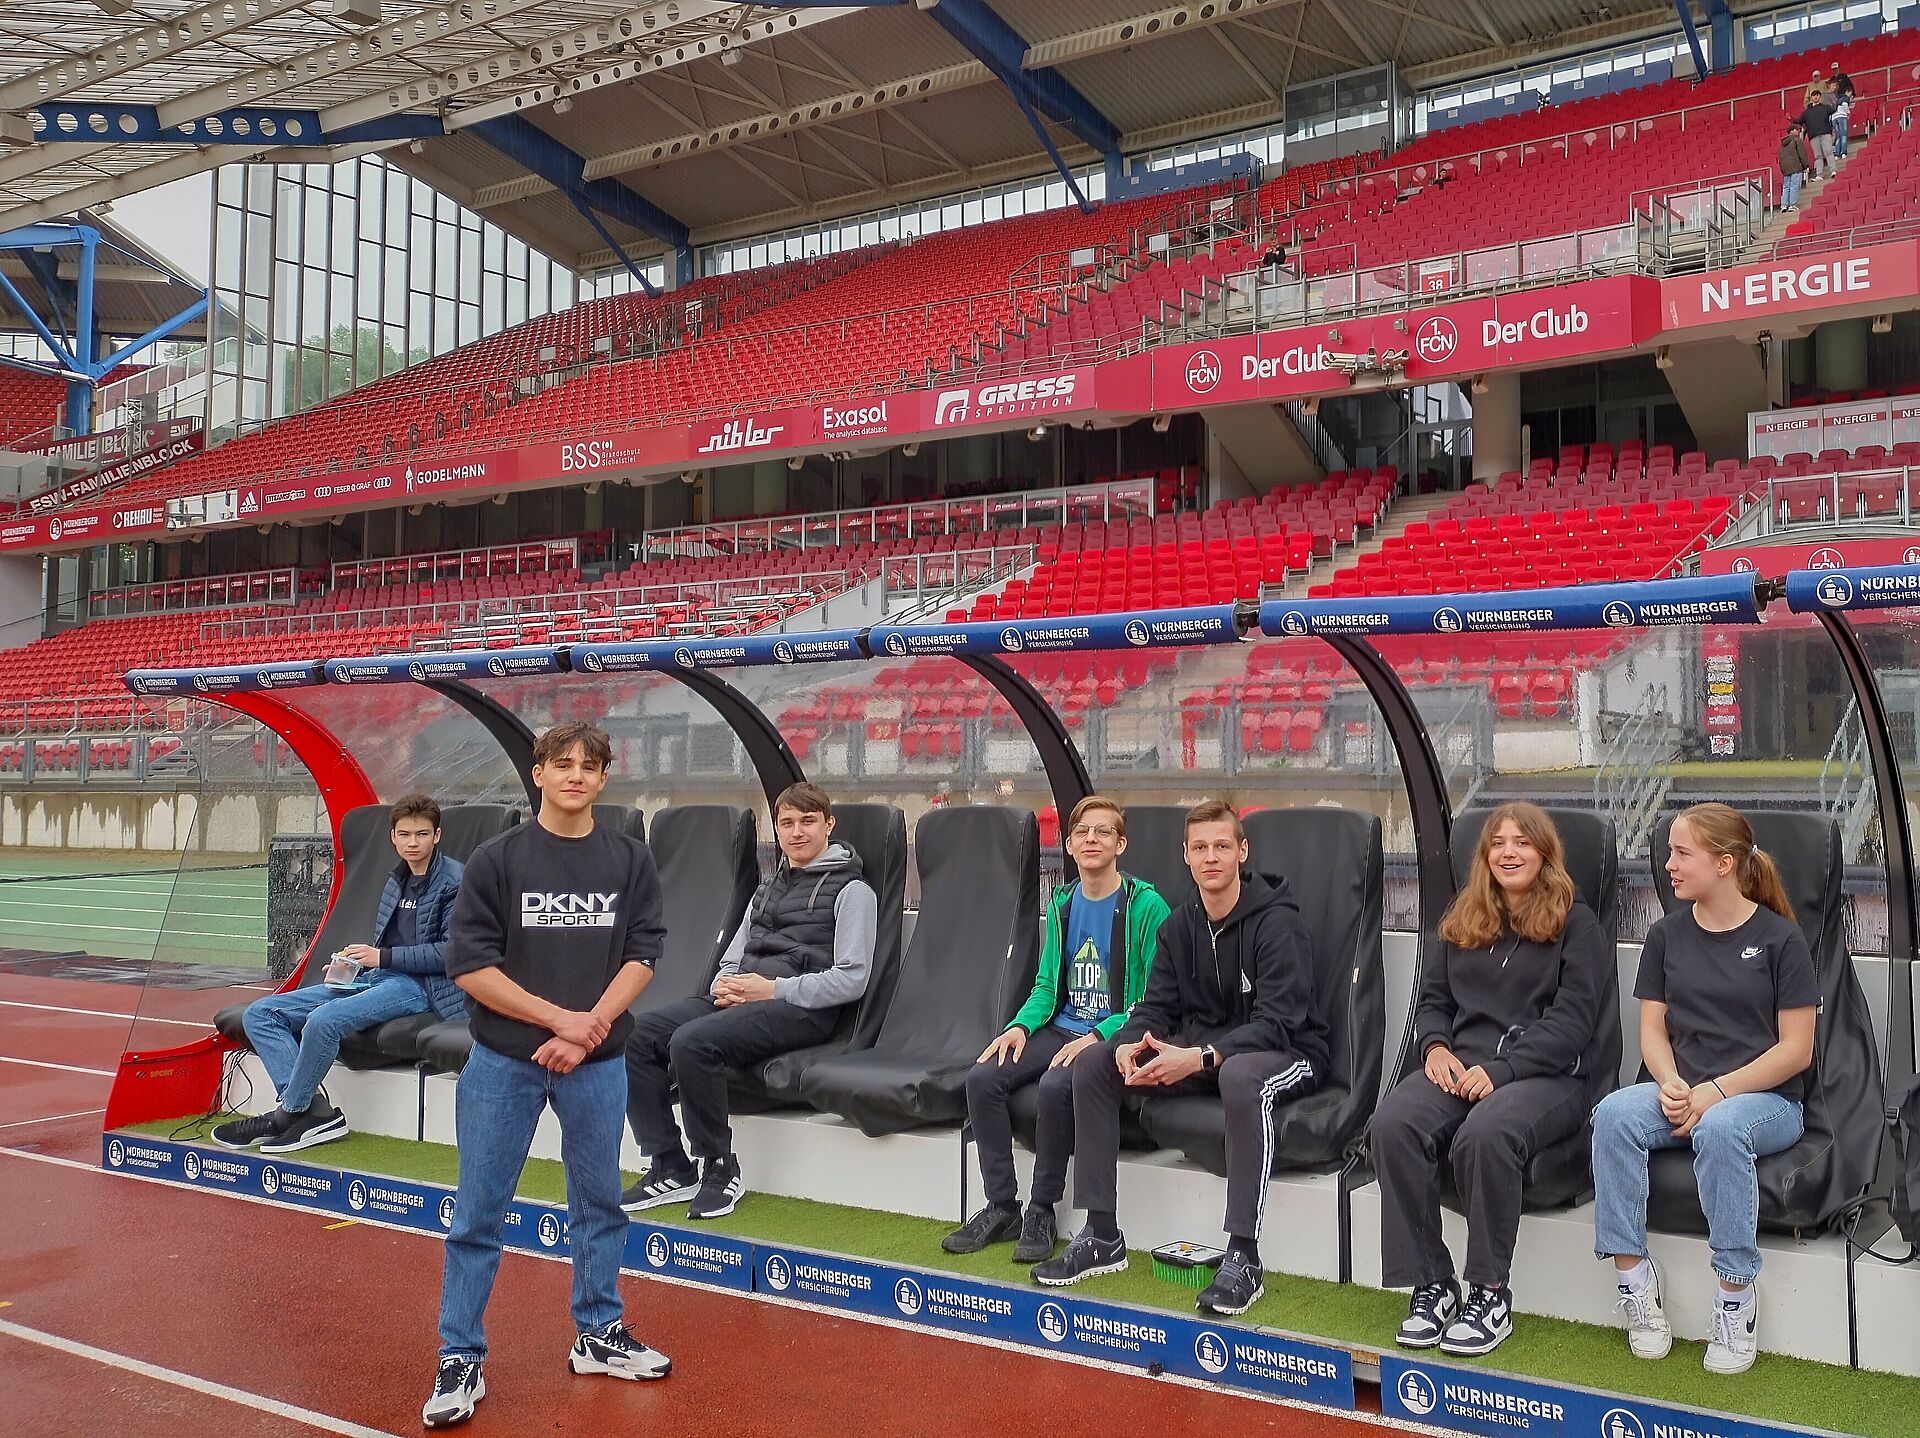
[(1471, 1400), (248, 679), (1702, 599), (454, 664), (1145, 629), (1883, 586), (711, 1258), (816, 647)]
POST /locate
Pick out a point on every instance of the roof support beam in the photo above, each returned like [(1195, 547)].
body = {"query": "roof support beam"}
[(1685, 10), (91, 123), (1720, 35), (998, 46)]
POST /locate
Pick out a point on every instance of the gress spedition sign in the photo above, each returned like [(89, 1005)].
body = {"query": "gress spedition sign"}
[(1709, 599)]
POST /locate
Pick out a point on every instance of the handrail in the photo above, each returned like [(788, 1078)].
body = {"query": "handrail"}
[(157, 596), (354, 572)]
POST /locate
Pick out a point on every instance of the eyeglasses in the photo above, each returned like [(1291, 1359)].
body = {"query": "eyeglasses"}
[(1093, 831)]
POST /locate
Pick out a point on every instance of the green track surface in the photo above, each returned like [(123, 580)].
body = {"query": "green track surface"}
[(1788, 1390), (134, 907)]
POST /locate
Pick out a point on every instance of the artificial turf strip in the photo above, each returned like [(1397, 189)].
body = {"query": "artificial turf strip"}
[(1788, 1390)]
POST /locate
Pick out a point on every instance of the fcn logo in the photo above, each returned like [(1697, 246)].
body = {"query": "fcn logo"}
[(1436, 340), (1203, 371)]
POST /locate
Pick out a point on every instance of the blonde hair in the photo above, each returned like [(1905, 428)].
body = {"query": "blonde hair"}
[(1723, 830), (1482, 909)]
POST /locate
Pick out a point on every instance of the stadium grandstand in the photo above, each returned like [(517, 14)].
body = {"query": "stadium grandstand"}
[(1055, 438)]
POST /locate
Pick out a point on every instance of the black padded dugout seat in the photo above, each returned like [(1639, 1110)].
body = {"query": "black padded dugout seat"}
[(970, 964), (367, 859), (1156, 845), (878, 834), (1332, 862), (1805, 1187), (1561, 1173), (696, 847)]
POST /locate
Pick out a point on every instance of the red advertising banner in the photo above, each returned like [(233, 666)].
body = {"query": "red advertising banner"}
[(112, 444), (1001, 401), (1792, 286), (595, 453), (738, 441), (114, 475), (1777, 559)]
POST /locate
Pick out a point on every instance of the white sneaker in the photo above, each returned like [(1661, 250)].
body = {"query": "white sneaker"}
[(1649, 1335), (1733, 1335)]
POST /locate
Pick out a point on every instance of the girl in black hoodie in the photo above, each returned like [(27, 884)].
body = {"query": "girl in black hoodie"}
[(1509, 1002)]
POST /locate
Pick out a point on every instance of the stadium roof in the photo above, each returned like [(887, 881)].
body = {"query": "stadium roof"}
[(134, 287), (695, 120)]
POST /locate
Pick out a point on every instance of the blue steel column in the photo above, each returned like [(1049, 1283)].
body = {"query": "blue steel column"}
[(86, 343)]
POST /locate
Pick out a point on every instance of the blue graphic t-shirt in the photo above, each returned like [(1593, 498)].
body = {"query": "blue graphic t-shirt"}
[(1086, 962)]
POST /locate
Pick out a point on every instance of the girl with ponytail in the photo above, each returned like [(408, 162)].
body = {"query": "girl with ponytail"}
[(1727, 1003)]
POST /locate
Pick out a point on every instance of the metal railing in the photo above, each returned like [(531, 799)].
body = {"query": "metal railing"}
[(1882, 497), (449, 565), (938, 582), (1631, 781), (178, 596)]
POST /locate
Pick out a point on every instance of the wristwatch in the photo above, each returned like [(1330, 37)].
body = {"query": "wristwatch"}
[(1209, 1059)]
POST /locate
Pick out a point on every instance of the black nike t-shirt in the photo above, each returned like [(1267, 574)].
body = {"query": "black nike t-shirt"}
[(560, 917), (1724, 992)]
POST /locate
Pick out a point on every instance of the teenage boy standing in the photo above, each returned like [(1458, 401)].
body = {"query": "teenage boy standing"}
[(556, 933)]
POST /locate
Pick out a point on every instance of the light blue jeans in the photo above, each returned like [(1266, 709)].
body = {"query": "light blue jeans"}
[(1628, 1125), (1790, 189), (1840, 135), (297, 1034), (497, 1105)]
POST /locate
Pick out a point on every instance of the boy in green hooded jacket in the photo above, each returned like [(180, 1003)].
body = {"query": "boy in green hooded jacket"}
[(1099, 945)]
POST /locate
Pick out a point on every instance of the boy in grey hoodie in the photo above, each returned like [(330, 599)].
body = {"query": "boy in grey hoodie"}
[(802, 953)]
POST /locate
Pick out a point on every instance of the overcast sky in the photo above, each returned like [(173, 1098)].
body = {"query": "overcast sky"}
[(173, 219)]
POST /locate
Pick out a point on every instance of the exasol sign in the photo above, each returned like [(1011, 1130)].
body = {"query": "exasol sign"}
[(1015, 399), (854, 422)]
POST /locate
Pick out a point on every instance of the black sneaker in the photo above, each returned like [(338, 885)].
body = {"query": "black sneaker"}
[(995, 1223), (720, 1188), (1037, 1236), (307, 1130), (1086, 1256), (456, 1388), (1235, 1288), (618, 1354), (668, 1179), (1433, 1308), (1483, 1325), (244, 1133)]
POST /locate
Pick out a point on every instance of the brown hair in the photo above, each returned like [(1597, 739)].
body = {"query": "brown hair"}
[(1722, 829), (1098, 801), (805, 797), (1215, 811), (591, 738), (414, 806), (1482, 909)]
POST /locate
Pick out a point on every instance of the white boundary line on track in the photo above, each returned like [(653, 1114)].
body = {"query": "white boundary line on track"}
[(1372, 1420), (51, 1118), (204, 1386), (102, 1014), (63, 1068)]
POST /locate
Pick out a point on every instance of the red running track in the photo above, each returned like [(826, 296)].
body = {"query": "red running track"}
[(337, 1319)]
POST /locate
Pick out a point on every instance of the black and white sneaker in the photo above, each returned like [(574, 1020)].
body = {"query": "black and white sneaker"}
[(308, 1130), (670, 1178), (995, 1223), (244, 1133), (1235, 1288), (1087, 1256), (720, 1188), (1434, 1306), (456, 1388), (618, 1354), (1485, 1321), (1037, 1236)]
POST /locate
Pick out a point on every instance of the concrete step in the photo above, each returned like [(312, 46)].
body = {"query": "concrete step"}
[(1409, 510)]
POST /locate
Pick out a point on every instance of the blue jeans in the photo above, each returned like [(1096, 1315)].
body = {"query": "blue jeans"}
[(497, 1105), (297, 1034), (1840, 134), (1628, 1125), (1790, 189)]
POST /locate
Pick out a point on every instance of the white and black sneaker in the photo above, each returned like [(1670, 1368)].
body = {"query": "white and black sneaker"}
[(720, 1188), (308, 1130), (456, 1388), (1485, 1322), (1434, 1306), (1733, 1334), (670, 1178), (1086, 1256), (618, 1354), (241, 1134), (1237, 1285), (1649, 1334)]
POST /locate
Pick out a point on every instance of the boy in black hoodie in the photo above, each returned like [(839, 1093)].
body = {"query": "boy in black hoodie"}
[(1229, 1009)]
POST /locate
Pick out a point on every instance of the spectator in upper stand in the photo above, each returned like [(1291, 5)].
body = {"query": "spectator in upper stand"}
[(1100, 937), (1817, 121), (1275, 257), (297, 1034), (1728, 999), (1795, 160), (1841, 102), (800, 956), (1508, 1005), (1229, 1008)]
